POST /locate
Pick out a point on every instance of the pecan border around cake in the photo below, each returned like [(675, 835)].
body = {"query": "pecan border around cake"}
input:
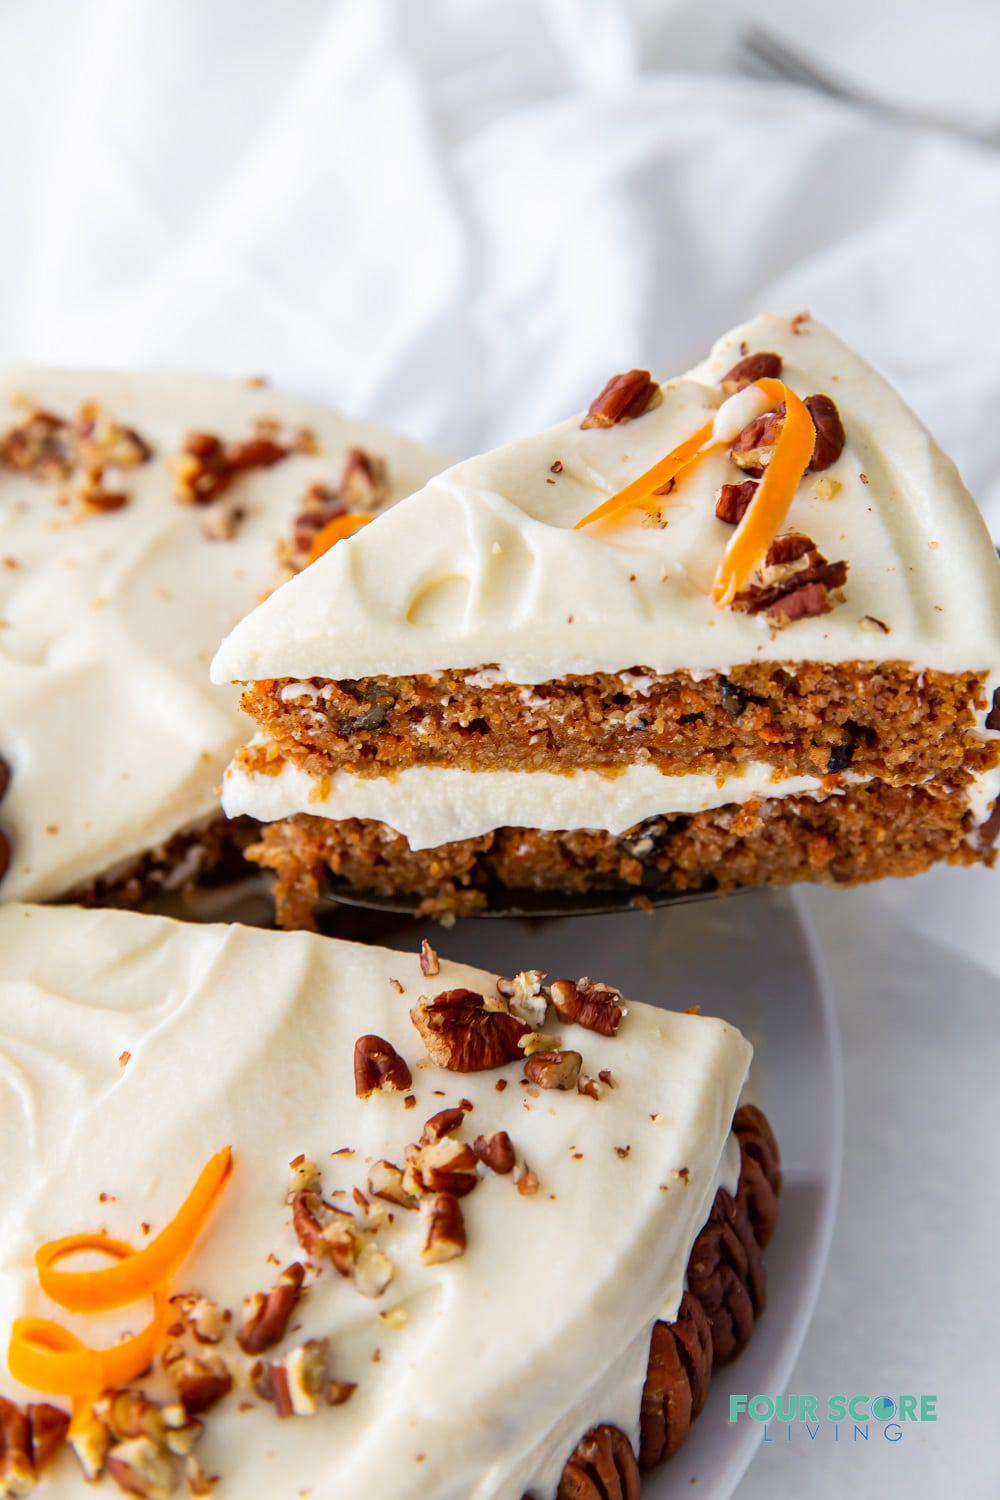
[(726, 1293)]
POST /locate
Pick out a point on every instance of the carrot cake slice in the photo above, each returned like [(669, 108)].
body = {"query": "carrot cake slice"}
[(139, 521), (739, 628), (350, 1250)]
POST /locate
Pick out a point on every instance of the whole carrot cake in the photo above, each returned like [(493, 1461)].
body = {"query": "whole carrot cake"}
[(350, 1251), (739, 628), (141, 516)]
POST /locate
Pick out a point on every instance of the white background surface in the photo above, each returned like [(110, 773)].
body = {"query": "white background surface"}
[(459, 217)]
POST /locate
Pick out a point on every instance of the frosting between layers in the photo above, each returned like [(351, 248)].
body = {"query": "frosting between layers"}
[(115, 738), (432, 805), (483, 566), (509, 1352)]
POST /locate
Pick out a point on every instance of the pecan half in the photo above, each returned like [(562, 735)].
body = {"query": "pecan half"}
[(461, 1034), (554, 1070), (601, 1467), (496, 1151), (830, 436), (750, 368), (266, 1315), (444, 1237), (678, 1375), (377, 1065), (733, 501), (593, 1006), (624, 398)]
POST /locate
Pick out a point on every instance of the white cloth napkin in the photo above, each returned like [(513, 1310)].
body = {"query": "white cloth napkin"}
[(459, 217)]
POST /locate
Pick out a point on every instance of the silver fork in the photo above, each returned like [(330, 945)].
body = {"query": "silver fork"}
[(763, 55)]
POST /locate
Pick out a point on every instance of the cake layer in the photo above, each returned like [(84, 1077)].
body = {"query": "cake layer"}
[(128, 1062), (114, 595), (863, 833), (878, 718), (484, 564)]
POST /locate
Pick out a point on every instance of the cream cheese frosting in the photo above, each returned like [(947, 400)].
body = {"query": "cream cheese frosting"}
[(433, 805), (126, 1060), (114, 736), (483, 566)]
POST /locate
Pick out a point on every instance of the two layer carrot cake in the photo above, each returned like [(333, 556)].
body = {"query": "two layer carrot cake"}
[(739, 628)]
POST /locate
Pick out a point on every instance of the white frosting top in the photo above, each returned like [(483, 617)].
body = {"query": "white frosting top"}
[(114, 735), (483, 565), (507, 1354)]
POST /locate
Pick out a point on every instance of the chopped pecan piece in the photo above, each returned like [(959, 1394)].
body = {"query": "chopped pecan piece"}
[(496, 1151), (363, 483), (446, 1166), (463, 1035), (593, 1006), (754, 446), (130, 1414), (206, 466), (339, 1391), (5, 775), (430, 964), (624, 398), (40, 444), (992, 722), (796, 581), (444, 1237), (601, 1466), (266, 1315), (200, 1381), (17, 1469), (298, 1382), (386, 1181), (49, 1427), (4, 855), (206, 1319), (526, 998), (377, 1065), (90, 1440), (554, 1070), (143, 1468), (443, 1123), (733, 501), (750, 368)]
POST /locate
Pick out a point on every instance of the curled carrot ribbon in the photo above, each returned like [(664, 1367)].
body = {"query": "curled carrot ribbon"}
[(47, 1357), (334, 531), (767, 509)]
